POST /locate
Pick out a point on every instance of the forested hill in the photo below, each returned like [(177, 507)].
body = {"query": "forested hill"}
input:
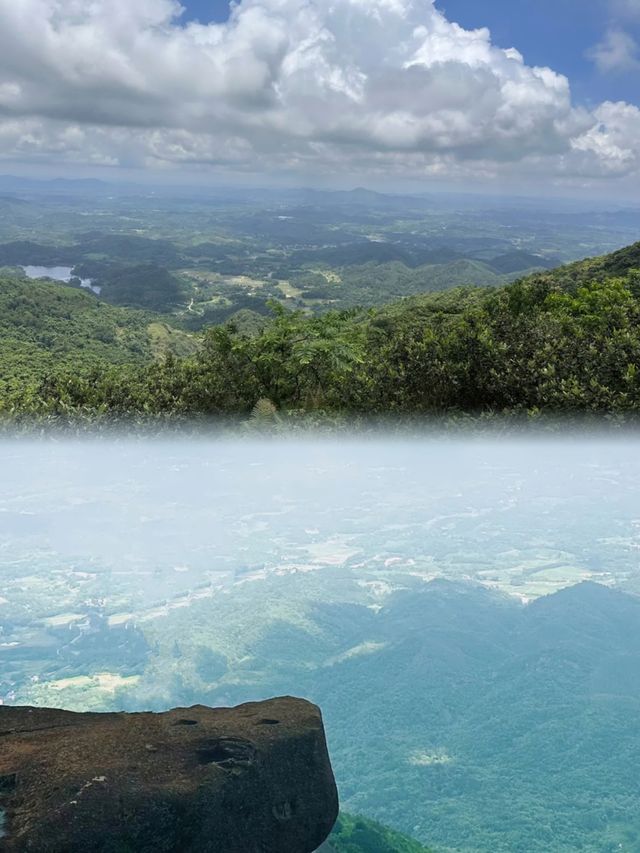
[(360, 835), (567, 340), (47, 328), (618, 263)]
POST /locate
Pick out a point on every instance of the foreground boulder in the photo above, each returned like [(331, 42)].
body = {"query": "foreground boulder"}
[(256, 778)]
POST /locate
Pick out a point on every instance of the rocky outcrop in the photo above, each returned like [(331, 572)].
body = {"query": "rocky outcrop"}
[(255, 779)]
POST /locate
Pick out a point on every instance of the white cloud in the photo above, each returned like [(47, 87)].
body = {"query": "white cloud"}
[(302, 86), (612, 144), (617, 52)]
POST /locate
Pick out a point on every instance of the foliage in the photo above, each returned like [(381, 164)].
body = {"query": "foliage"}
[(472, 723), (565, 341), (140, 286), (46, 328), (360, 835)]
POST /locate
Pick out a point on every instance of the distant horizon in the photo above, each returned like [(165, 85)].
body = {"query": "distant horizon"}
[(149, 182)]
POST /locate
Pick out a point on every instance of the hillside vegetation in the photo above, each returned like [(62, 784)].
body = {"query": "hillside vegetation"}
[(561, 341), (359, 835), (47, 327), (472, 722)]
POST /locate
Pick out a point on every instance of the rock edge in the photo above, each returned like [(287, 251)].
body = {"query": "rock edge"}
[(251, 779)]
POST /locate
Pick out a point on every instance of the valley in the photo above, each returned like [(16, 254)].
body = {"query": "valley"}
[(414, 591), (319, 426), (142, 319), (213, 253)]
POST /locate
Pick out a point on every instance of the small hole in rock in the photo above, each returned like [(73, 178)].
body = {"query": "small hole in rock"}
[(8, 784), (186, 723), (268, 722), (283, 811), (226, 752)]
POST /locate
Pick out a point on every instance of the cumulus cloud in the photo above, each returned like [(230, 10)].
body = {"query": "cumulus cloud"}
[(617, 52), (612, 143), (385, 86)]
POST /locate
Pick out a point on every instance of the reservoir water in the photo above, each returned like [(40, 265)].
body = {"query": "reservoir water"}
[(63, 274)]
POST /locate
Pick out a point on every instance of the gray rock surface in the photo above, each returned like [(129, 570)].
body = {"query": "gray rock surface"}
[(255, 779)]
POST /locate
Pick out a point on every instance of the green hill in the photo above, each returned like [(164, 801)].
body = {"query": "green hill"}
[(563, 341), (359, 835), (470, 721), (47, 327), (363, 285), (618, 263)]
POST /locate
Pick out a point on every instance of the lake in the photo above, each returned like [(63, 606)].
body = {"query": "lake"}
[(63, 274)]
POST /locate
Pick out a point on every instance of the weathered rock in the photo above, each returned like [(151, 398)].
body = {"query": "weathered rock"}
[(256, 779)]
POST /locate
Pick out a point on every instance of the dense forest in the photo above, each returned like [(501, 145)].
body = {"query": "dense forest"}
[(46, 328), (360, 835), (561, 341), (465, 720), (454, 713)]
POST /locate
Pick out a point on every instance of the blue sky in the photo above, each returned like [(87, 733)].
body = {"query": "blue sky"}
[(206, 10), (556, 33)]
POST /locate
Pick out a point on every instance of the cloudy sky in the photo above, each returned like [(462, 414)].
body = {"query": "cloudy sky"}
[(508, 94)]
